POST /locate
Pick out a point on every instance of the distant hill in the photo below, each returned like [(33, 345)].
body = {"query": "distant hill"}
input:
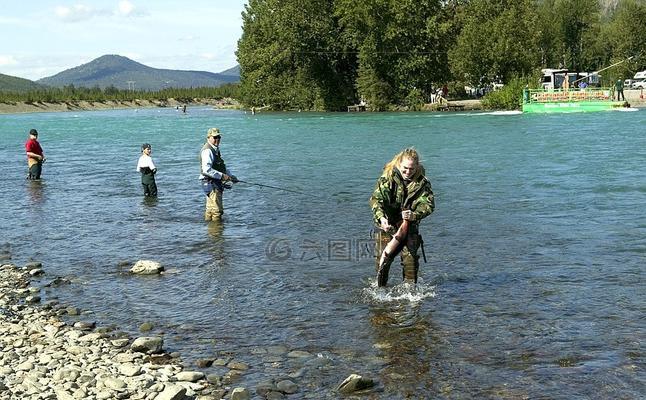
[(117, 71), (235, 71), (10, 83)]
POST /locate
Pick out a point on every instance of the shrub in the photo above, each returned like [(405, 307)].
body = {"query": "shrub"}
[(509, 97)]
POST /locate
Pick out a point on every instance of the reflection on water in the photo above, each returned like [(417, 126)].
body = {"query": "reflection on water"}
[(149, 201), (36, 192), (403, 338), (403, 333), (215, 230)]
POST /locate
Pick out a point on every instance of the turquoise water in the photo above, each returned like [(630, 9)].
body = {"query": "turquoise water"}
[(534, 286)]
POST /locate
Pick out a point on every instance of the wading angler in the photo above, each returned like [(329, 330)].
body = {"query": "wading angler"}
[(402, 198), (215, 176), (148, 170), (35, 156)]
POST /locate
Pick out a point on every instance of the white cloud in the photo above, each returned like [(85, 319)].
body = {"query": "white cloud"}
[(82, 12), (7, 60), (189, 38), (77, 12), (125, 8), (208, 56)]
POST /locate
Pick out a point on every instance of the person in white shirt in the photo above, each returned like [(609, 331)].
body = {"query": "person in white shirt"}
[(214, 176), (148, 171)]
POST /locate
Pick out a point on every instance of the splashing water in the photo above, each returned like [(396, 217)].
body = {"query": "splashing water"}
[(402, 292)]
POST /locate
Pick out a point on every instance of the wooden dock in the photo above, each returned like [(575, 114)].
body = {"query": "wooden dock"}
[(357, 108), (452, 107)]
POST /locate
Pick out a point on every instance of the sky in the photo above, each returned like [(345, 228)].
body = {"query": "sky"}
[(42, 38)]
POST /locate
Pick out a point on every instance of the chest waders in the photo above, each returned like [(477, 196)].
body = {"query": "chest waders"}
[(148, 182), (213, 188)]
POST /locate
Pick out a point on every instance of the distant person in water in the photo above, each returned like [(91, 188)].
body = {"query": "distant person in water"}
[(184, 109), (148, 170), (402, 193), (35, 156)]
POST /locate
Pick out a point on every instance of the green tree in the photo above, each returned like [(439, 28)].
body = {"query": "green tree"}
[(626, 37), (290, 56), (402, 47), (570, 35), (498, 40)]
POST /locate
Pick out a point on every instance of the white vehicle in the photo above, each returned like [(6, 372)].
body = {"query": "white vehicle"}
[(554, 78), (639, 80)]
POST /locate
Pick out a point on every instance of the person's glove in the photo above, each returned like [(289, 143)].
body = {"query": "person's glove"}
[(154, 171)]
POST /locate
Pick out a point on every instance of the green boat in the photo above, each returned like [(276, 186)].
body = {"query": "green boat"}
[(568, 100)]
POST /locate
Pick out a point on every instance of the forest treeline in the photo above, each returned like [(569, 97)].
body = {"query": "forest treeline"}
[(326, 54), (72, 93)]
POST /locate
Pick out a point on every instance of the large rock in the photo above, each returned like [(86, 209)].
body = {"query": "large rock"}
[(33, 265), (355, 383), (148, 344), (240, 394), (287, 386), (146, 267), (189, 376), (171, 392), (130, 370)]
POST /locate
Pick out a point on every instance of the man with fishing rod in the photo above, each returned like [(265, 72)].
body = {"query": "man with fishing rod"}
[(35, 156), (215, 177), (402, 198)]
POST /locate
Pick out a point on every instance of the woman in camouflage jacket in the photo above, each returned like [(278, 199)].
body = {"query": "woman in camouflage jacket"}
[(402, 193)]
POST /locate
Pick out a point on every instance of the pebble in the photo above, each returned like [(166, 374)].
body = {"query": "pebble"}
[(189, 376), (287, 386), (240, 394), (299, 354), (237, 365)]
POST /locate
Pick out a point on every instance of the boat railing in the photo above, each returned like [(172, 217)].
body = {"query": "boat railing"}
[(566, 95)]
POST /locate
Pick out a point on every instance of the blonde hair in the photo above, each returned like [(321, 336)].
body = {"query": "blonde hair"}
[(409, 152)]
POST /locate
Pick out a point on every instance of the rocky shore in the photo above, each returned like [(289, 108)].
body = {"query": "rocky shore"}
[(81, 105), (44, 357)]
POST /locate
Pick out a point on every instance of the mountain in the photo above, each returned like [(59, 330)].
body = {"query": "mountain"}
[(10, 83), (124, 73), (235, 71)]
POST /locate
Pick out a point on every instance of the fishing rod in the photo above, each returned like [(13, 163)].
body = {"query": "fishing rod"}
[(274, 187), (603, 69)]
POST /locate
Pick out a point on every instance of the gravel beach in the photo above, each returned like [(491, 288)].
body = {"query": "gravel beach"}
[(80, 105), (43, 357)]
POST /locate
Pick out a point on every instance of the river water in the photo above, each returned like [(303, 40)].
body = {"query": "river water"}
[(534, 285)]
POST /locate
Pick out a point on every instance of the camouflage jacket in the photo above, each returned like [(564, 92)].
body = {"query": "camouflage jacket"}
[(391, 196)]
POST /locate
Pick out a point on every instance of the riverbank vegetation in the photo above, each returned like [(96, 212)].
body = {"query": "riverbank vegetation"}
[(96, 94), (326, 54)]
